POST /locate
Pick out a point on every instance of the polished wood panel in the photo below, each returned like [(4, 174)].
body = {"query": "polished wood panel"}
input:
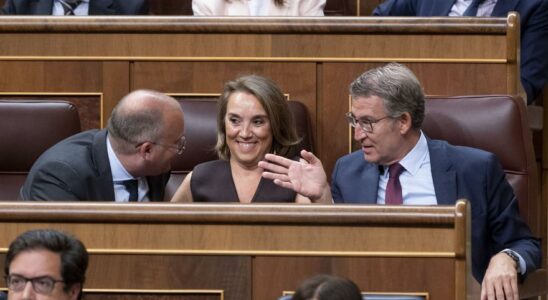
[(255, 251), (372, 274), (149, 296)]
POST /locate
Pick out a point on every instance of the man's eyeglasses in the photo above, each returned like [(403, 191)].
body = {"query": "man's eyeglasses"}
[(179, 147), (365, 125), (42, 285)]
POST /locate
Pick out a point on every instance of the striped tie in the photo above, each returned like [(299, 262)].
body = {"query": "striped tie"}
[(69, 6), (472, 10)]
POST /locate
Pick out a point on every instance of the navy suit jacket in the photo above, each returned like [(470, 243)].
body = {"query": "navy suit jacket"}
[(96, 7), (78, 169), (458, 172), (534, 32)]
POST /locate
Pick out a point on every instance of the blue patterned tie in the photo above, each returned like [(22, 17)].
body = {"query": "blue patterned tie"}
[(69, 6)]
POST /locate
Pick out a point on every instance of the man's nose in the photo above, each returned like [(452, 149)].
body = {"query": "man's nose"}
[(28, 291), (359, 133)]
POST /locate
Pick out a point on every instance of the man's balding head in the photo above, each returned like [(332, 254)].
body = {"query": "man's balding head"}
[(141, 116)]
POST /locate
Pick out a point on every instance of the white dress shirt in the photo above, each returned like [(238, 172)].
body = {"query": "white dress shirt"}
[(416, 180), (485, 9), (81, 10), (119, 174), (257, 8)]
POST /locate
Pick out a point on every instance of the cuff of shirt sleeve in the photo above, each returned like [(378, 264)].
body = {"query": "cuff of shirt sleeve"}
[(522, 265)]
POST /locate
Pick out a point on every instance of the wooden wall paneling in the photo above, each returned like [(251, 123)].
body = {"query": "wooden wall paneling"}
[(254, 46), (296, 79), (116, 84), (151, 296), (172, 247), (50, 76), (171, 272), (274, 275)]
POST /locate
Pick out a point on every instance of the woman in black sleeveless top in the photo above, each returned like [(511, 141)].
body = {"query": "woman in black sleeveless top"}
[(253, 119)]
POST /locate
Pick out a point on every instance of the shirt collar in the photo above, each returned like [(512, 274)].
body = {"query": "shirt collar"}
[(119, 173), (416, 157)]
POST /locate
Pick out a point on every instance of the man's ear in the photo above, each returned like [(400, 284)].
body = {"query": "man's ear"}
[(144, 149), (75, 291), (406, 123)]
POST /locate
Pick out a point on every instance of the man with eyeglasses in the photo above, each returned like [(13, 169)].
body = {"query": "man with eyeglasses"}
[(130, 161), (45, 264), (398, 164)]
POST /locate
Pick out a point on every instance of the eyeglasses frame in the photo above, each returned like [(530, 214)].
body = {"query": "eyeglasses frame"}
[(351, 119), (32, 282)]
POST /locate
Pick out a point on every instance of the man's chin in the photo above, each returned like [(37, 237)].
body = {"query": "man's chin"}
[(369, 158)]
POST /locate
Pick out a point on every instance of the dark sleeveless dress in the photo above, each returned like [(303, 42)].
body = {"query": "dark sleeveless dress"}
[(212, 182)]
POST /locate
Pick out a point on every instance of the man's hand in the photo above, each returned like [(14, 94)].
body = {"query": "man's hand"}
[(306, 176), (501, 279)]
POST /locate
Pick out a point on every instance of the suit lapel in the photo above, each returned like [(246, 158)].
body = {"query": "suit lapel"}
[(369, 184), (503, 7), (156, 188), (443, 174), (102, 7), (41, 7), (437, 8), (103, 181)]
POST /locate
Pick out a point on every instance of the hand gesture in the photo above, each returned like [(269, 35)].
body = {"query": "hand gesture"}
[(306, 176)]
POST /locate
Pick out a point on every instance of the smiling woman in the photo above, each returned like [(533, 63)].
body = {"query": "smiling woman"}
[(253, 119)]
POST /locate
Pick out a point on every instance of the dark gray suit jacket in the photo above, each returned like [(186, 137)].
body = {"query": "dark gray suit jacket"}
[(96, 7), (534, 32), (458, 172), (78, 169)]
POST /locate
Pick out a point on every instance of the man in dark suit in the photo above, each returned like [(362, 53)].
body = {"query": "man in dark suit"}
[(129, 161), (86, 7), (398, 164), (534, 29)]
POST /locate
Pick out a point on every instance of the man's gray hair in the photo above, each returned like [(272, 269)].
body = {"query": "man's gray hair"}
[(399, 88)]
